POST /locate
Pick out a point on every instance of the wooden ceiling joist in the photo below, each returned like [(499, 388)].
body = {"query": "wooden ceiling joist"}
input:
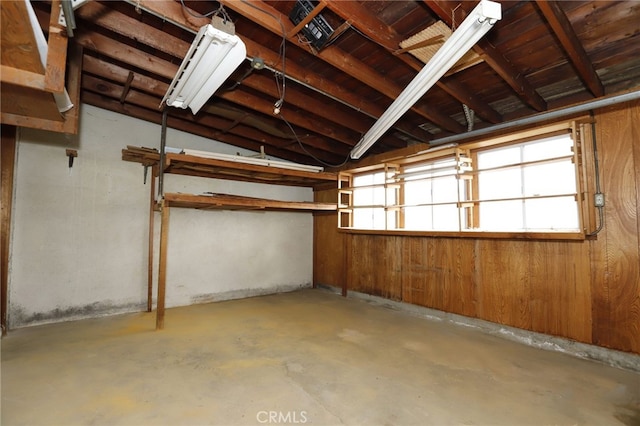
[(495, 59), (341, 60), (147, 62), (563, 30), (386, 36), (536, 56), (173, 12)]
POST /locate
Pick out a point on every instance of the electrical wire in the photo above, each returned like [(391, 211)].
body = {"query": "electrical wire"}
[(596, 167), (238, 82), (219, 10), (282, 86), (281, 79), (295, 135)]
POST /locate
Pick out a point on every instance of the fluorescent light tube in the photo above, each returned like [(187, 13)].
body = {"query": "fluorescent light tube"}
[(476, 25), (253, 160), (212, 57)]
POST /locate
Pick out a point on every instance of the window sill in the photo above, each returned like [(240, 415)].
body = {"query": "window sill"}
[(576, 236)]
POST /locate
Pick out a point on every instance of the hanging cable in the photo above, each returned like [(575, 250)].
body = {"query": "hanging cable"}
[(295, 135), (281, 85)]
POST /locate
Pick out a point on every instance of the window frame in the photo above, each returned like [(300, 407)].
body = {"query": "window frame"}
[(582, 157)]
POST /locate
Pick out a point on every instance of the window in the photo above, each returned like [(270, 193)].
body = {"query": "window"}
[(513, 186), (370, 198), (431, 194), (528, 187)]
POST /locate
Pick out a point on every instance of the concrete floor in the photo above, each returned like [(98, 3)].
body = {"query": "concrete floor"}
[(305, 357)]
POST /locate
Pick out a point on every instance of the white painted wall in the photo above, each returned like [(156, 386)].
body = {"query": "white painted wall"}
[(79, 238)]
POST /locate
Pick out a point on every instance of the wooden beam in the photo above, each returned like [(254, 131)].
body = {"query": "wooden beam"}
[(56, 53), (338, 115), (370, 25), (127, 87), (162, 266), (35, 108), (7, 168), (22, 78), (152, 208), (572, 46), (495, 60), (292, 152), (109, 47), (173, 12), (316, 10), (341, 60), (17, 39), (235, 202), (142, 83), (134, 29), (114, 49), (259, 173), (74, 78), (149, 102)]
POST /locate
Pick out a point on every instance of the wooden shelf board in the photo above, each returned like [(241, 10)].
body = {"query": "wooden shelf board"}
[(235, 202), (220, 169)]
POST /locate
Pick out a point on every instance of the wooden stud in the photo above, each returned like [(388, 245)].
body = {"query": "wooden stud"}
[(127, 87), (152, 203), (162, 268), (56, 52), (7, 159)]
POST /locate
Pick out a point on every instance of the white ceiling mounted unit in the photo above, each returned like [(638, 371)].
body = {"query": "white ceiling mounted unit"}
[(472, 29), (212, 58)]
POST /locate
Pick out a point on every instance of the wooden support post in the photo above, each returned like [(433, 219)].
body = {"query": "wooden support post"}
[(74, 79), (7, 166), (152, 204), (346, 264), (56, 52), (162, 269)]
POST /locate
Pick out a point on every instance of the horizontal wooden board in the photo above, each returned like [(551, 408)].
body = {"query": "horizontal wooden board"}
[(586, 290), (236, 202)]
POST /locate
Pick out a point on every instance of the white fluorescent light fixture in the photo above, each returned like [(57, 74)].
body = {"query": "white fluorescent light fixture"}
[(212, 58), (476, 25)]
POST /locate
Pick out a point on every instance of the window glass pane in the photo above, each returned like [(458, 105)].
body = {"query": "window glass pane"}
[(368, 218), (550, 179), (418, 218), (499, 157), (418, 192), (555, 146), (445, 190), (445, 218), (556, 214), (501, 216), (500, 184)]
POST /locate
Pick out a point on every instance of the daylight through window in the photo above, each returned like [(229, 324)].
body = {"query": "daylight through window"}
[(514, 187)]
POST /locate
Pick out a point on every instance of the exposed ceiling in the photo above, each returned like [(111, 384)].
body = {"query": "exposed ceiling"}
[(542, 55)]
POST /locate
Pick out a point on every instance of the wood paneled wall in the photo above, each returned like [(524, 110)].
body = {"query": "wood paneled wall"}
[(588, 291)]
